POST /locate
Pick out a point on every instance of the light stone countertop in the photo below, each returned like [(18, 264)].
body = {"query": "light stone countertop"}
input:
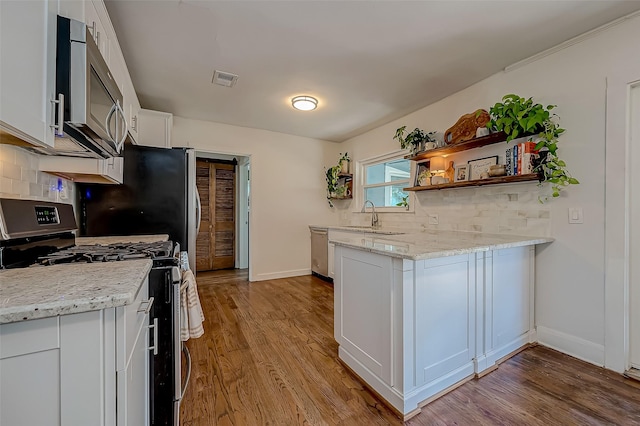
[(86, 241), (46, 291), (430, 244)]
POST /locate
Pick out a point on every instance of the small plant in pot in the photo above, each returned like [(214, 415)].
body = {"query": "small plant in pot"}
[(344, 162), (332, 174), (518, 117), (415, 141)]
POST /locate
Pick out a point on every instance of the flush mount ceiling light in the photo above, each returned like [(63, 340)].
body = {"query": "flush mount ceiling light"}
[(304, 103)]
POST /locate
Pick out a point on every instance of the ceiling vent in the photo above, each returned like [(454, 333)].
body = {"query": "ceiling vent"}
[(222, 78)]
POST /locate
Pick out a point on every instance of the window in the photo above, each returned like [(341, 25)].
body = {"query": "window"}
[(383, 179)]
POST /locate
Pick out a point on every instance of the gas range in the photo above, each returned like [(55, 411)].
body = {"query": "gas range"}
[(109, 253), (37, 234)]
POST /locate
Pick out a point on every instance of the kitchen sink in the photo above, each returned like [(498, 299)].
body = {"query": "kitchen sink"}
[(371, 229)]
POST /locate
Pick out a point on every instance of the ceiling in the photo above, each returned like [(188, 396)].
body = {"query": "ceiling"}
[(368, 62)]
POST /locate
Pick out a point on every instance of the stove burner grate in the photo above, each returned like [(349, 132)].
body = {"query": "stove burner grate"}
[(108, 253)]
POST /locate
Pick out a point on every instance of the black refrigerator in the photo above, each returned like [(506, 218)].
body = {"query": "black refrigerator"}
[(158, 196)]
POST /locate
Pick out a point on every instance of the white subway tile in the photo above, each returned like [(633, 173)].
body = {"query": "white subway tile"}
[(11, 171)]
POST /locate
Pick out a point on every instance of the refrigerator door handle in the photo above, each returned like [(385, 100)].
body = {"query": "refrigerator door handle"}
[(199, 210)]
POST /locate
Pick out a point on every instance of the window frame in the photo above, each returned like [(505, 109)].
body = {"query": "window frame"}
[(359, 180)]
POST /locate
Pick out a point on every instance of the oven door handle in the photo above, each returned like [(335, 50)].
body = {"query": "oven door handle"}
[(154, 348), (187, 355)]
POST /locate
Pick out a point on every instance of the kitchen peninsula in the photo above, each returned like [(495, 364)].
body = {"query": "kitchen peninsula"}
[(419, 313)]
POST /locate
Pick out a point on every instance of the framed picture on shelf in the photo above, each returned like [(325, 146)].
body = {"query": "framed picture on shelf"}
[(461, 173), (480, 166), (422, 175)]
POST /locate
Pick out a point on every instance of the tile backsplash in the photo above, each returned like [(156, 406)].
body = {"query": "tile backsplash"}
[(507, 209), (20, 178)]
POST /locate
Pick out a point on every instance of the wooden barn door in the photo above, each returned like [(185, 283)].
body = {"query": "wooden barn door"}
[(215, 245)]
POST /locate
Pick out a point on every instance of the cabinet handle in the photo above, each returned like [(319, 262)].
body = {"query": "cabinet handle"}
[(154, 348), (92, 29), (58, 131), (146, 309)]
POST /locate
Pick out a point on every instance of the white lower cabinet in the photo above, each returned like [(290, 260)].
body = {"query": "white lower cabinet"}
[(29, 379), (64, 370), (413, 329), (506, 307)]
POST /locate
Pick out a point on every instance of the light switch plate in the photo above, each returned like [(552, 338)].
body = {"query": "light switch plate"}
[(575, 215)]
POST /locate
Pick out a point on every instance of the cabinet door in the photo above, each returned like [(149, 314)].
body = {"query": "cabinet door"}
[(29, 373), (97, 30), (133, 388), (27, 69), (444, 318), (132, 109), (30, 389), (155, 128)]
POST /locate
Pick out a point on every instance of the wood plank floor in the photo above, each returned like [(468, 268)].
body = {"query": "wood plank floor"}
[(268, 358)]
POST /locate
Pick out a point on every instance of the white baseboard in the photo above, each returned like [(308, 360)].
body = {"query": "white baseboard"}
[(281, 274), (571, 345)]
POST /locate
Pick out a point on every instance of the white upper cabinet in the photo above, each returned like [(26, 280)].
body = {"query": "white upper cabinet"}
[(132, 110), (28, 65), (97, 28), (73, 9), (27, 69), (155, 128)]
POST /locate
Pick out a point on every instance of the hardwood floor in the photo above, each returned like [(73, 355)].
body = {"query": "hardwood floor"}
[(268, 358)]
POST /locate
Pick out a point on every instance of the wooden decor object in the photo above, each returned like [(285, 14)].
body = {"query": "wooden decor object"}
[(449, 172), (466, 126)]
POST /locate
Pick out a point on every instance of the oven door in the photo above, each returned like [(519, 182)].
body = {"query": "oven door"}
[(166, 370)]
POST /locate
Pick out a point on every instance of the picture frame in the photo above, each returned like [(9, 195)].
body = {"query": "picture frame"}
[(461, 173), (421, 166), (480, 166)]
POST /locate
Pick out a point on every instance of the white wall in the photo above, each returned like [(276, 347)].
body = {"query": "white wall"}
[(287, 190), (20, 178), (570, 272)]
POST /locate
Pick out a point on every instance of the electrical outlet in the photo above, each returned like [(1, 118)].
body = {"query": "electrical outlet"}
[(433, 219)]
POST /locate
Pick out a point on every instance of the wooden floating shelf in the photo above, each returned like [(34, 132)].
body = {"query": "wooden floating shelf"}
[(462, 146), (479, 182)]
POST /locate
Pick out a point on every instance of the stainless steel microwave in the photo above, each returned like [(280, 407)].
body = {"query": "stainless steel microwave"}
[(90, 121)]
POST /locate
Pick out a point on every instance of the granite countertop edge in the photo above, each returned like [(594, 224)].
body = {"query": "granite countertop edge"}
[(106, 289), (428, 244)]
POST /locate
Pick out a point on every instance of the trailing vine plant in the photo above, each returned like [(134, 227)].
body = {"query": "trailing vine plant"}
[(518, 117)]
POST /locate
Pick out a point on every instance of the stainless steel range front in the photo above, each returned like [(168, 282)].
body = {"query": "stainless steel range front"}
[(37, 234)]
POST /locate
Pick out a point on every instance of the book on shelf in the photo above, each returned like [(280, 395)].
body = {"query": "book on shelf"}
[(520, 159)]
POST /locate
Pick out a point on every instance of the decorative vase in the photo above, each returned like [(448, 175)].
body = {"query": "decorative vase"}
[(344, 167)]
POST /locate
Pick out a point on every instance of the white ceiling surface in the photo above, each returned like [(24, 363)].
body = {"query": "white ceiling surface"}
[(368, 62)]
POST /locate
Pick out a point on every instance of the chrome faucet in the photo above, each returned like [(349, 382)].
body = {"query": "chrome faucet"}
[(374, 215)]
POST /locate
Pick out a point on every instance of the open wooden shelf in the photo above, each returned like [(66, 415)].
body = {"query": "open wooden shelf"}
[(462, 146), (478, 182)]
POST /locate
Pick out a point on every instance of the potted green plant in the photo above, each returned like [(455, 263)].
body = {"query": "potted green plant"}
[(415, 140), (344, 163), (332, 175), (518, 117)]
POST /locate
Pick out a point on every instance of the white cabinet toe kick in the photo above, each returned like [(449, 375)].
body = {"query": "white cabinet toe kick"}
[(413, 330)]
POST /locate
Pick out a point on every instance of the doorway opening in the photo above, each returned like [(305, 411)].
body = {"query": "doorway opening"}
[(223, 237)]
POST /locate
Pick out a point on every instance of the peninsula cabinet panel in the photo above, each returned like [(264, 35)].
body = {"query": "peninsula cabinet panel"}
[(508, 311), (444, 317), (365, 311), (413, 329)]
